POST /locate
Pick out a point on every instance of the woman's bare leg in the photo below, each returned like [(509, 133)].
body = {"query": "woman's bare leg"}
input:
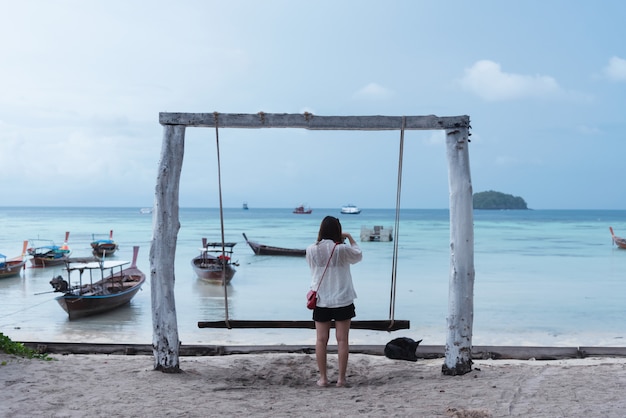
[(342, 329), (321, 346)]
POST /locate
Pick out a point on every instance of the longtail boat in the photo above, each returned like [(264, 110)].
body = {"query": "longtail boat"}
[(103, 247), (215, 263), (619, 241), (102, 293), (45, 253), (13, 267), (260, 249)]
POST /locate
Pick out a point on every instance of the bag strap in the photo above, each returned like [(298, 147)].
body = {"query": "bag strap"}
[(326, 268)]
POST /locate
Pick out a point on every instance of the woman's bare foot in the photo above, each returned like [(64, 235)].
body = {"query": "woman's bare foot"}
[(342, 383), (322, 383)]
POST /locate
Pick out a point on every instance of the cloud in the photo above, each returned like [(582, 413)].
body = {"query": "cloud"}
[(588, 130), (616, 69), (511, 161), (436, 138), (487, 80), (373, 91)]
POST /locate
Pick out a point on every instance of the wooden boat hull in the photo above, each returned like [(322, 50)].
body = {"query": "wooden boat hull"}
[(260, 249), (209, 268), (82, 306), (268, 250), (11, 268), (104, 249), (39, 261)]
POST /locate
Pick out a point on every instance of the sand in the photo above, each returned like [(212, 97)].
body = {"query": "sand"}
[(283, 385)]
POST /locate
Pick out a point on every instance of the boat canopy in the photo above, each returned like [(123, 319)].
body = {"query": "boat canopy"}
[(96, 265), (103, 241)]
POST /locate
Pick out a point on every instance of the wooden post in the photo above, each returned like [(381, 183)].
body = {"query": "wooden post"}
[(458, 358), (165, 226)]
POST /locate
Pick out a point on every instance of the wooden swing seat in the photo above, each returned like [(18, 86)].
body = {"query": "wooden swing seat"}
[(375, 325)]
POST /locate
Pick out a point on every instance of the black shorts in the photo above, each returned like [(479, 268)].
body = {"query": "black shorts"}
[(338, 314)]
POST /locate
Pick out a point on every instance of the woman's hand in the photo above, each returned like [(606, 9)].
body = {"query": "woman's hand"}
[(347, 235)]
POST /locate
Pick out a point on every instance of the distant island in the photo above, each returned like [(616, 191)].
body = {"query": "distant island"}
[(497, 200)]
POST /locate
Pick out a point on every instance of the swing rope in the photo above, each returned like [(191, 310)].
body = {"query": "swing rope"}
[(219, 183), (394, 263)]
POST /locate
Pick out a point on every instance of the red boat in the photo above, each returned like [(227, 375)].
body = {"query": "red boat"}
[(301, 210)]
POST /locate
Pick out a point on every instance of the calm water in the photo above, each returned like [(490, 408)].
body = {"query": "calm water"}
[(543, 277)]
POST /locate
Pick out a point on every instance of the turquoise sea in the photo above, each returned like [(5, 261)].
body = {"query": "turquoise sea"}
[(543, 277)]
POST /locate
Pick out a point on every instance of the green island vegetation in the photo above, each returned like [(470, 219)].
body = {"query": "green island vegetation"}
[(497, 200), (9, 346)]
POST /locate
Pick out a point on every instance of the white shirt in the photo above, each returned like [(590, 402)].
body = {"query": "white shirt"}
[(336, 289)]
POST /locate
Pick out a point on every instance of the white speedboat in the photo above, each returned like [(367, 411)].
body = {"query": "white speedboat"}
[(350, 210)]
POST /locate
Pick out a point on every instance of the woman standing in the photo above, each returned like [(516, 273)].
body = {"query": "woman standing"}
[(335, 296)]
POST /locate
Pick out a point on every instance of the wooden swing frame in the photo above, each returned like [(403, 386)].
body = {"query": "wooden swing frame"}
[(166, 222)]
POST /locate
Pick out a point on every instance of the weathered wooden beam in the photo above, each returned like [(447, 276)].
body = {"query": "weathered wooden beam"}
[(311, 121), (423, 351), (376, 325), (602, 351), (524, 352)]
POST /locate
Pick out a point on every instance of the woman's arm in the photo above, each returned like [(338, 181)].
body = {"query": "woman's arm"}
[(353, 253), (347, 235)]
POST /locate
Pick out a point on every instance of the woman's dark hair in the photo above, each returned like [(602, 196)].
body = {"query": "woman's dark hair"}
[(330, 228)]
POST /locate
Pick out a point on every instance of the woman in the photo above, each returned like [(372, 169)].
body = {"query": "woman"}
[(335, 295)]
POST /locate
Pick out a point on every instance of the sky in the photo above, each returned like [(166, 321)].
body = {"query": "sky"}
[(82, 84)]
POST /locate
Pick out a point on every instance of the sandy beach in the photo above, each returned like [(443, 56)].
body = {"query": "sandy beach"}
[(270, 385)]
